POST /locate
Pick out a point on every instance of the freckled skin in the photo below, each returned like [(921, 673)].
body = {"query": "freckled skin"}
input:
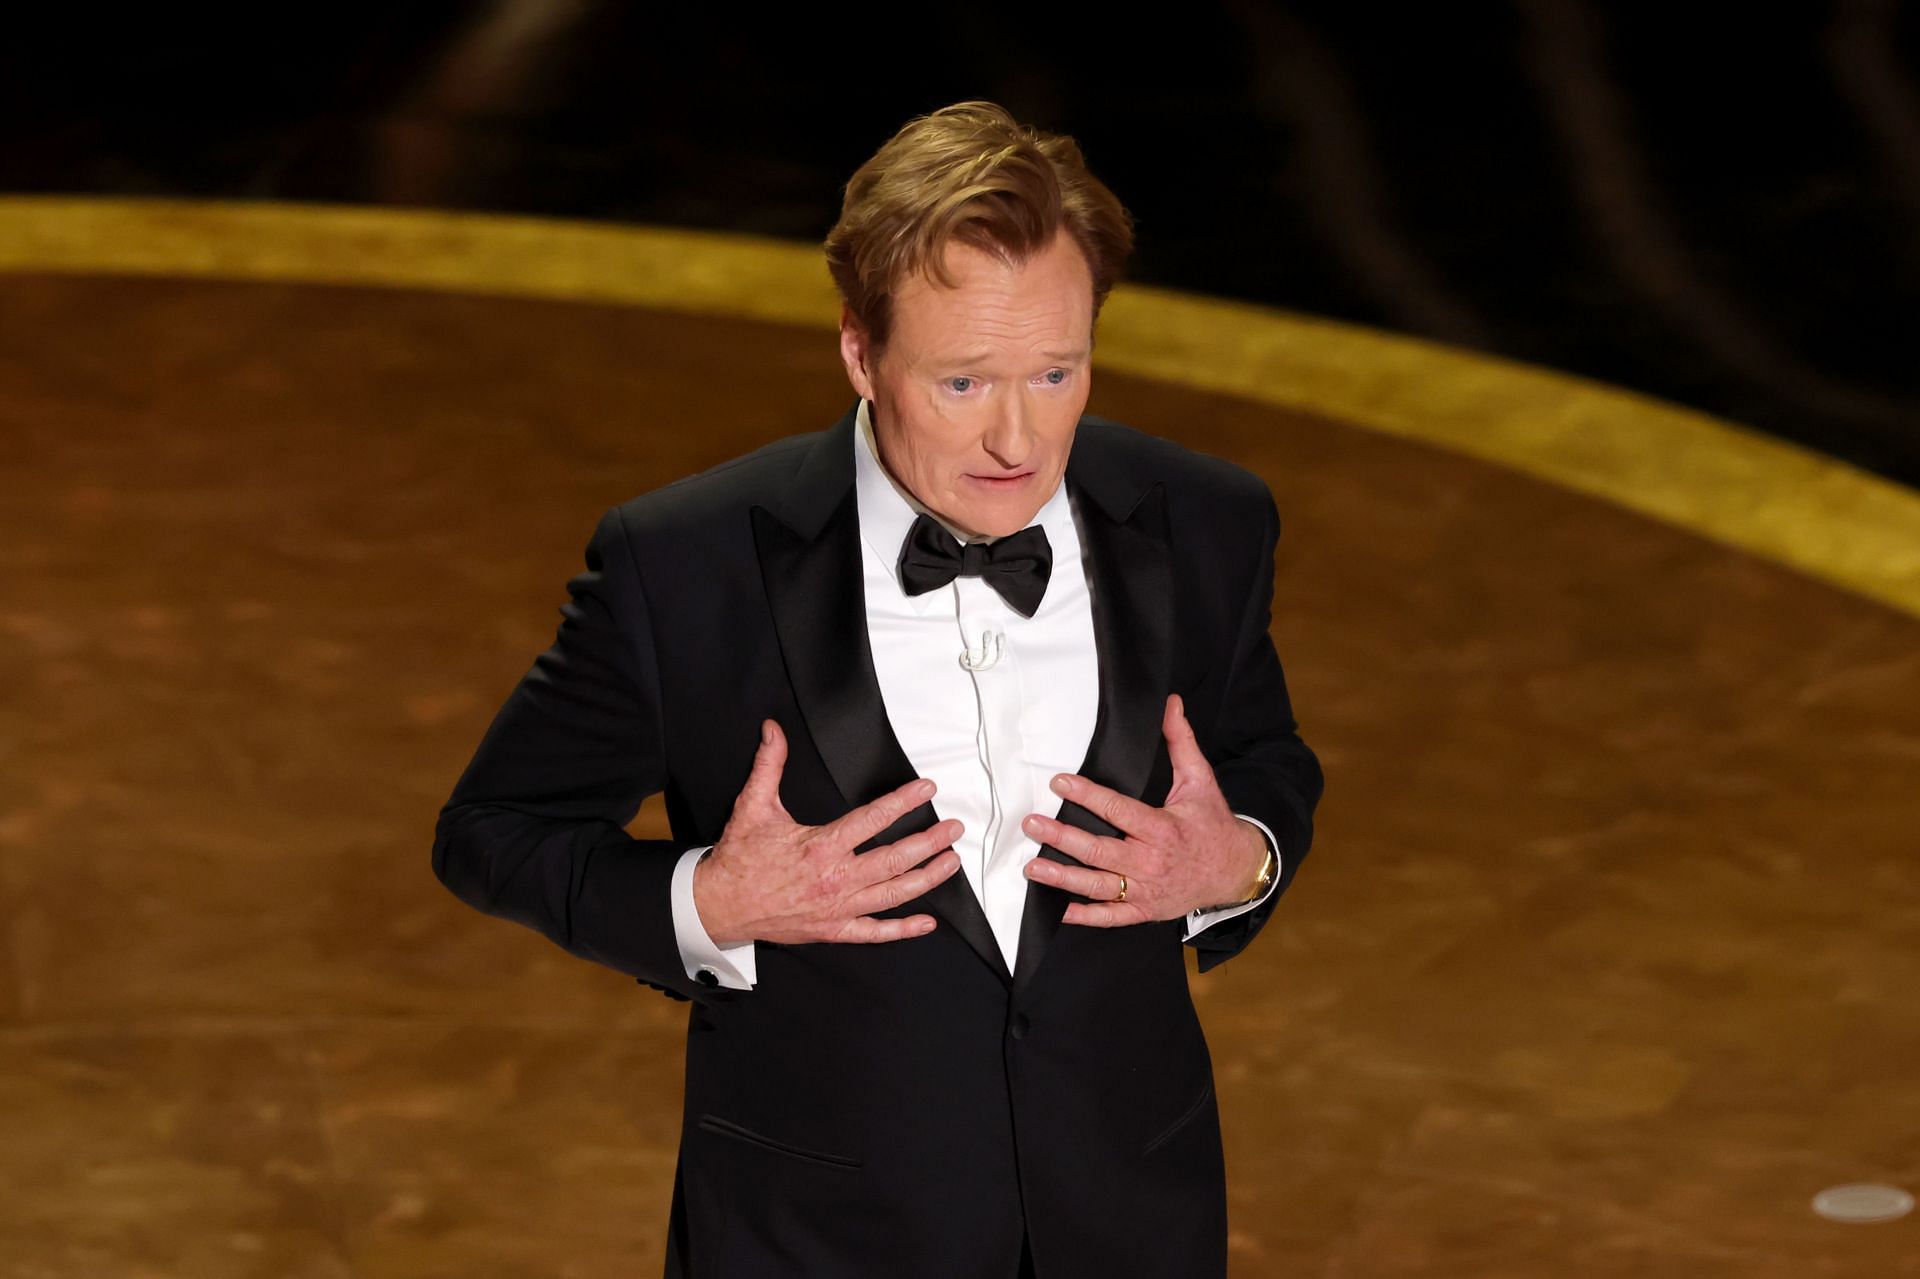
[(988, 378)]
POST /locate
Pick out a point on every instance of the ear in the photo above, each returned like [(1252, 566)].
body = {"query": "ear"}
[(853, 353)]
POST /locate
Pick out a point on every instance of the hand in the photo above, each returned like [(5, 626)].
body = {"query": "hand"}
[(771, 879), (1189, 854)]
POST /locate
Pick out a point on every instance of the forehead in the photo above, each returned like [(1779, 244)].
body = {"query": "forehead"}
[(1044, 304)]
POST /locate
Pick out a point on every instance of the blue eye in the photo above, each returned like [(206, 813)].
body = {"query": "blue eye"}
[(1061, 372), (951, 381)]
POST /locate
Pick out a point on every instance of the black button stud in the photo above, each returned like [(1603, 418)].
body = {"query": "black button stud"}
[(707, 977)]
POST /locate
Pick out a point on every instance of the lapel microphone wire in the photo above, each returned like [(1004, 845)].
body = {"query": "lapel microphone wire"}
[(993, 645)]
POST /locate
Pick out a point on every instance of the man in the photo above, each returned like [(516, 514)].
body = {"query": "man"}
[(939, 1020)]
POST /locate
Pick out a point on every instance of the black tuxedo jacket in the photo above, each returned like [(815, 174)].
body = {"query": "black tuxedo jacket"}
[(901, 1108)]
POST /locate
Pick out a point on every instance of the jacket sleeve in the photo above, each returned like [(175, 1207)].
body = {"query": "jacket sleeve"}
[(1263, 767), (534, 830)]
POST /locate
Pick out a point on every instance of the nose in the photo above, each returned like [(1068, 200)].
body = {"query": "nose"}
[(1009, 440)]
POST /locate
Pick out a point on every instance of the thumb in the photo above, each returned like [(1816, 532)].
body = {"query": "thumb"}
[(1190, 765), (769, 762)]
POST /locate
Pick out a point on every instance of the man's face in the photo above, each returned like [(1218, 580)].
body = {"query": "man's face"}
[(980, 382)]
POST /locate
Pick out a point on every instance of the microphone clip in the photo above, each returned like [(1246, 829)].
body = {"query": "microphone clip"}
[(993, 646)]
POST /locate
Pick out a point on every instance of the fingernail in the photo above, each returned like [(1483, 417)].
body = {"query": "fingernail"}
[(766, 733), (1061, 785), (1033, 824)]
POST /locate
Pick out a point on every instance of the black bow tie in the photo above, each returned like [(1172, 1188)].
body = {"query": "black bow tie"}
[(1016, 566)]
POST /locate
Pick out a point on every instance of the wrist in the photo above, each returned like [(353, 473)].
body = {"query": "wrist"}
[(1261, 874), (709, 904)]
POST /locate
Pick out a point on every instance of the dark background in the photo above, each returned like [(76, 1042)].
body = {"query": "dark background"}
[(1716, 204)]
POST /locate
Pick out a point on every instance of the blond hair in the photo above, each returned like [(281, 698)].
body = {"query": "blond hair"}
[(969, 173)]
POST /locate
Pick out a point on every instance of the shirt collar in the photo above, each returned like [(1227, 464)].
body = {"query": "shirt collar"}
[(887, 509)]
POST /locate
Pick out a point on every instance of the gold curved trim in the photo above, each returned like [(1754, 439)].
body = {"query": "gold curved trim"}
[(1787, 504)]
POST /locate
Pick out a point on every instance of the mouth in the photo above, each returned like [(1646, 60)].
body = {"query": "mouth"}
[(1002, 481)]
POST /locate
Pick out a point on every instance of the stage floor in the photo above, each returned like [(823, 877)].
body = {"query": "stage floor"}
[(1603, 963)]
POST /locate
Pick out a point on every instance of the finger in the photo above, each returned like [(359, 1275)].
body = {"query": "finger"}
[(1103, 851), (855, 828), (864, 929), (1121, 811), (904, 888), (1183, 747), (1088, 881), (1104, 914), (902, 855)]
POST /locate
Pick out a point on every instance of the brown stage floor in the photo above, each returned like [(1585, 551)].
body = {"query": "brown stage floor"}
[(1604, 962)]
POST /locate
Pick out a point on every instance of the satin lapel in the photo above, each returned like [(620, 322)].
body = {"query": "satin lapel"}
[(809, 548), (1131, 579)]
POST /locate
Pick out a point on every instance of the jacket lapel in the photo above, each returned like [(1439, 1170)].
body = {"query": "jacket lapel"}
[(1131, 581), (809, 546)]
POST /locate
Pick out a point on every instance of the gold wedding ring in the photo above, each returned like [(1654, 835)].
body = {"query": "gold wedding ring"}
[(1123, 888)]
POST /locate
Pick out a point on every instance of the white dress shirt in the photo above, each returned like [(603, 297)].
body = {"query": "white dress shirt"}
[(991, 737)]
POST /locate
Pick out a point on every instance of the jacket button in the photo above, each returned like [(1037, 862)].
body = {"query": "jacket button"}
[(1019, 1027)]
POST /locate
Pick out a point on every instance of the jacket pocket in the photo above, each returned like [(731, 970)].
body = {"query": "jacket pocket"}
[(727, 1128), (1186, 1117)]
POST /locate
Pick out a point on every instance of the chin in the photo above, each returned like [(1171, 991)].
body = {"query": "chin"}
[(994, 514), (1004, 527)]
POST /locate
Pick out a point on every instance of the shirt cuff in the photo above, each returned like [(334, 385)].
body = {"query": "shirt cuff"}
[(729, 966), (1200, 920)]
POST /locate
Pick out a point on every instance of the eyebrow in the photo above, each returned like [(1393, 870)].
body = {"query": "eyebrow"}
[(967, 357)]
